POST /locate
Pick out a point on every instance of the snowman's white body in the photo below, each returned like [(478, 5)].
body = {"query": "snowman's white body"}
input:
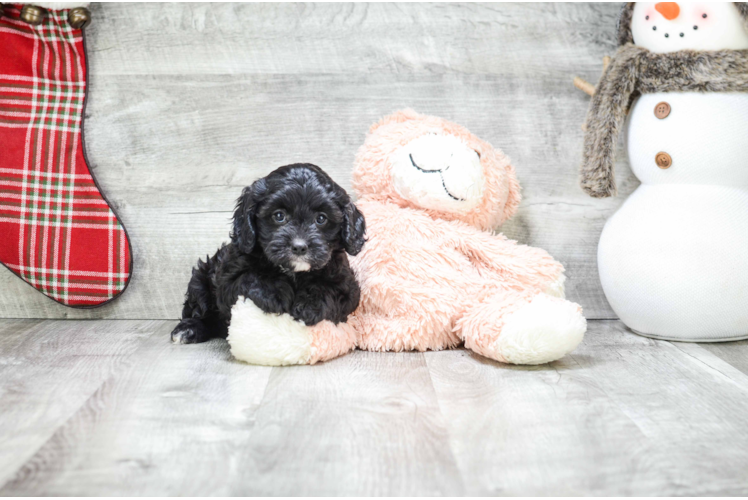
[(673, 260)]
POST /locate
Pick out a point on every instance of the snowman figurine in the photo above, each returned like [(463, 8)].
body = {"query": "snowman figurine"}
[(673, 260)]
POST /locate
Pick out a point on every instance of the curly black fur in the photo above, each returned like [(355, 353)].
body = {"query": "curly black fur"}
[(294, 219)]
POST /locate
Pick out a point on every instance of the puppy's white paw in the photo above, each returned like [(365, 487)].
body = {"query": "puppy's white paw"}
[(542, 331), (557, 289), (267, 339)]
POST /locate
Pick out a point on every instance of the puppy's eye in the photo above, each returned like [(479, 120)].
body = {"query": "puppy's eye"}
[(279, 216), (321, 219)]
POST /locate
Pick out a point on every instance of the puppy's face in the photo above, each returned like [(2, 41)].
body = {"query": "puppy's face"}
[(298, 216), (298, 225)]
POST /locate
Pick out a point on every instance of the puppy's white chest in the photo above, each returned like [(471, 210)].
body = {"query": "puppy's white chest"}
[(267, 339)]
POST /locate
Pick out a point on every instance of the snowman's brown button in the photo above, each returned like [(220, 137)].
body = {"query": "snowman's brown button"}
[(662, 110), (663, 160)]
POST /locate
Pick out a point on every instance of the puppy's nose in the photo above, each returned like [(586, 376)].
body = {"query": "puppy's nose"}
[(299, 247)]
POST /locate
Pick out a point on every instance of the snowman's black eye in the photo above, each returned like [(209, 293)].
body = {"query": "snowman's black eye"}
[(667, 36), (681, 35), (703, 15)]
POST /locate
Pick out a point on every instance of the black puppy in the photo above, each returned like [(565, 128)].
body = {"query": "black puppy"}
[(287, 254)]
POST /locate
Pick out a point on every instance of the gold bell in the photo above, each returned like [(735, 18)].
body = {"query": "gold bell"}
[(33, 15), (79, 17)]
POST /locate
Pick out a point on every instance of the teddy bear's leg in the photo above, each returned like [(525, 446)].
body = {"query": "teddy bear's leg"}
[(277, 339), (557, 288), (521, 328), (415, 332)]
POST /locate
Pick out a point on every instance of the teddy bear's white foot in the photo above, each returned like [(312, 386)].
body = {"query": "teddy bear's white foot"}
[(541, 331), (267, 339), (557, 289)]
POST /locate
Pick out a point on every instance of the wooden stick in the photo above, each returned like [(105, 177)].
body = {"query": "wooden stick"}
[(587, 87), (584, 86)]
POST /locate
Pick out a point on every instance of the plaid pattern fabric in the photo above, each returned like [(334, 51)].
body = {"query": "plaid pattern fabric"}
[(57, 232)]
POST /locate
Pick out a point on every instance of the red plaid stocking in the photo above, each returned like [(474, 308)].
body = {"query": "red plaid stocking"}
[(57, 232)]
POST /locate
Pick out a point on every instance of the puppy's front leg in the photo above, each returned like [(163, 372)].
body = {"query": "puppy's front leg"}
[(197, 330), (309, 310), (271, 298), (332, 300)]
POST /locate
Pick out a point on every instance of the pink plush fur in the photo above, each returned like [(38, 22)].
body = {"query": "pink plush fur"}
[(330, 341), (434, 279)]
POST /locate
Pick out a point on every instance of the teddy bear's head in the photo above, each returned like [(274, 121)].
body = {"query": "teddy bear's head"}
[(426, 162)]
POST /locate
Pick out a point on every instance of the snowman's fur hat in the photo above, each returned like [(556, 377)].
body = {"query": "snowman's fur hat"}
[(635, 70)]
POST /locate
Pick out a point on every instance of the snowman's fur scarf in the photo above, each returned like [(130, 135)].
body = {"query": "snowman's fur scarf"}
[(635, 70)]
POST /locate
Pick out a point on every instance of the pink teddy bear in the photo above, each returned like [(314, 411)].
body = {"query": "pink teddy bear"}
[(432, 274)]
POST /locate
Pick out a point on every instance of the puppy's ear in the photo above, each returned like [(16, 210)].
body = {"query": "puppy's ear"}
[(353, 230), (244, 232)]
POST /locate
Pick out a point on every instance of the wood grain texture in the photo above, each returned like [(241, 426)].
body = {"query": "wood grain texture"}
[(188, 103), (174, 423), (116, 409), (622, 415), (48, 369), (734, 353), (364, 424)]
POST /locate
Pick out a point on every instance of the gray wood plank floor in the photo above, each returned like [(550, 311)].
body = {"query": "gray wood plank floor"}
[(113, 408), (190, 102)]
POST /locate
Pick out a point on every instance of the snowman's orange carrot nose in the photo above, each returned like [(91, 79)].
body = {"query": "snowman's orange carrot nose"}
[(669, 10)]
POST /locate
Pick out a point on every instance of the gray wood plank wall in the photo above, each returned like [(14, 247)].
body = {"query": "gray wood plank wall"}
[(188, 103)]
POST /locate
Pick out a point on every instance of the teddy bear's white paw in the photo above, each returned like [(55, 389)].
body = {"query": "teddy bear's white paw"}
[(267, 339), (556, 289), (540, 332)]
